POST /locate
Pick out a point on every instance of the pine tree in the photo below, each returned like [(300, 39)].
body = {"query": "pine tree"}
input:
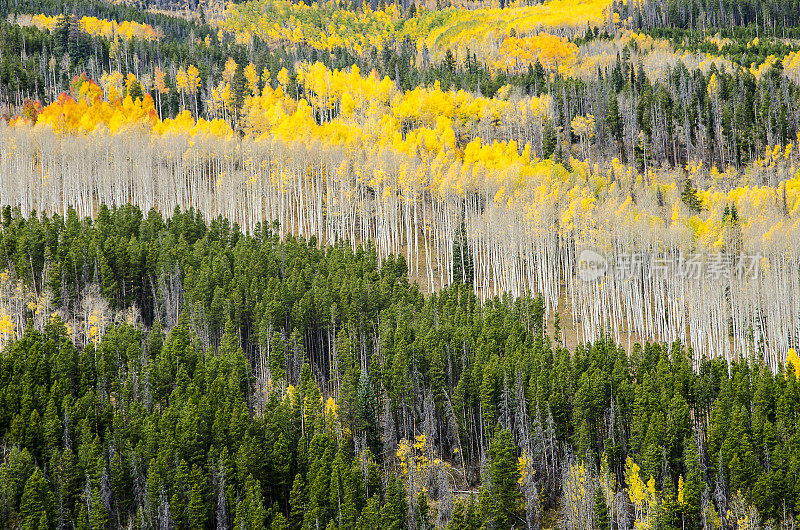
[(395, 508), (370, 517), (500, 502), (181, 491), (458, 518), (298, 503), (690, 498), (52, 429), (422, 515), (601, 518), (689, 196), (250, 513), (98, 519), (366, 419), (37, 503), (135, 90), (281, 461), (279, 522), (614, 121), (197, 511), (61, 35), (277, 356), (239, 88)]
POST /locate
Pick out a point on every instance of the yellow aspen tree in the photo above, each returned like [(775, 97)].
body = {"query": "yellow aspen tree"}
[(182, 83), (230, 70), (283, 77), (193, 83), (252, 79), (583, 127), (112, 85), (160, 86)]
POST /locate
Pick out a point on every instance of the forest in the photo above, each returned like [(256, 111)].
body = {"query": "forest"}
[(404, 264), (179, 374)]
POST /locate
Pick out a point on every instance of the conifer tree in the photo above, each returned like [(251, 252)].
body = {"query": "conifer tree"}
[(279, 522), (690, 499), (422, 515), (370, 517), (277, 356), (601, 518), (298, 503), (52, 429), (36, 508), (98, 517), (197, 511), (500, 501), (250, 513), (689, 196), (366, 406), (394, 512)]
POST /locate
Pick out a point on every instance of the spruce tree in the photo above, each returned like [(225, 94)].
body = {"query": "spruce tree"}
[(689, 196), (279, 522), (197, 511), (366, 406), (601, 518), (370, 517), (422, 515), (690, 498), (395, 508), (250, 513), (98, 518), (298, 503), (501, 500), (37, 503), (277, 356)]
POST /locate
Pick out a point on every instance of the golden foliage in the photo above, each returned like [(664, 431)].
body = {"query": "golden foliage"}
[(793, 360), (453, 134), (553, 53), (325, 27), (110, 29)]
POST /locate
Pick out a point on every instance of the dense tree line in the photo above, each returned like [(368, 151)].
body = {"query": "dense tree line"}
[(642, 119), (742, 45), (679, 118), (780, 18), (285, 385), (39, 64), (175, 27), (721, 118)]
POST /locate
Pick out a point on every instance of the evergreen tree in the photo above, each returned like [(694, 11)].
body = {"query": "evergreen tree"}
[(366, 419), (298, 503), (239, 88), (614, 121), (690, 499), (36, 509), (370, 517), (689, 196), (250, 513), (98, 516), (395, 508), (197, 511), (279, 522), (277, 356), (422, 515), (601, 518), (139, 429), (500, 501)]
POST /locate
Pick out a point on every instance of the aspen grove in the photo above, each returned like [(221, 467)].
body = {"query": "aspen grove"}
[(520, 220)]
